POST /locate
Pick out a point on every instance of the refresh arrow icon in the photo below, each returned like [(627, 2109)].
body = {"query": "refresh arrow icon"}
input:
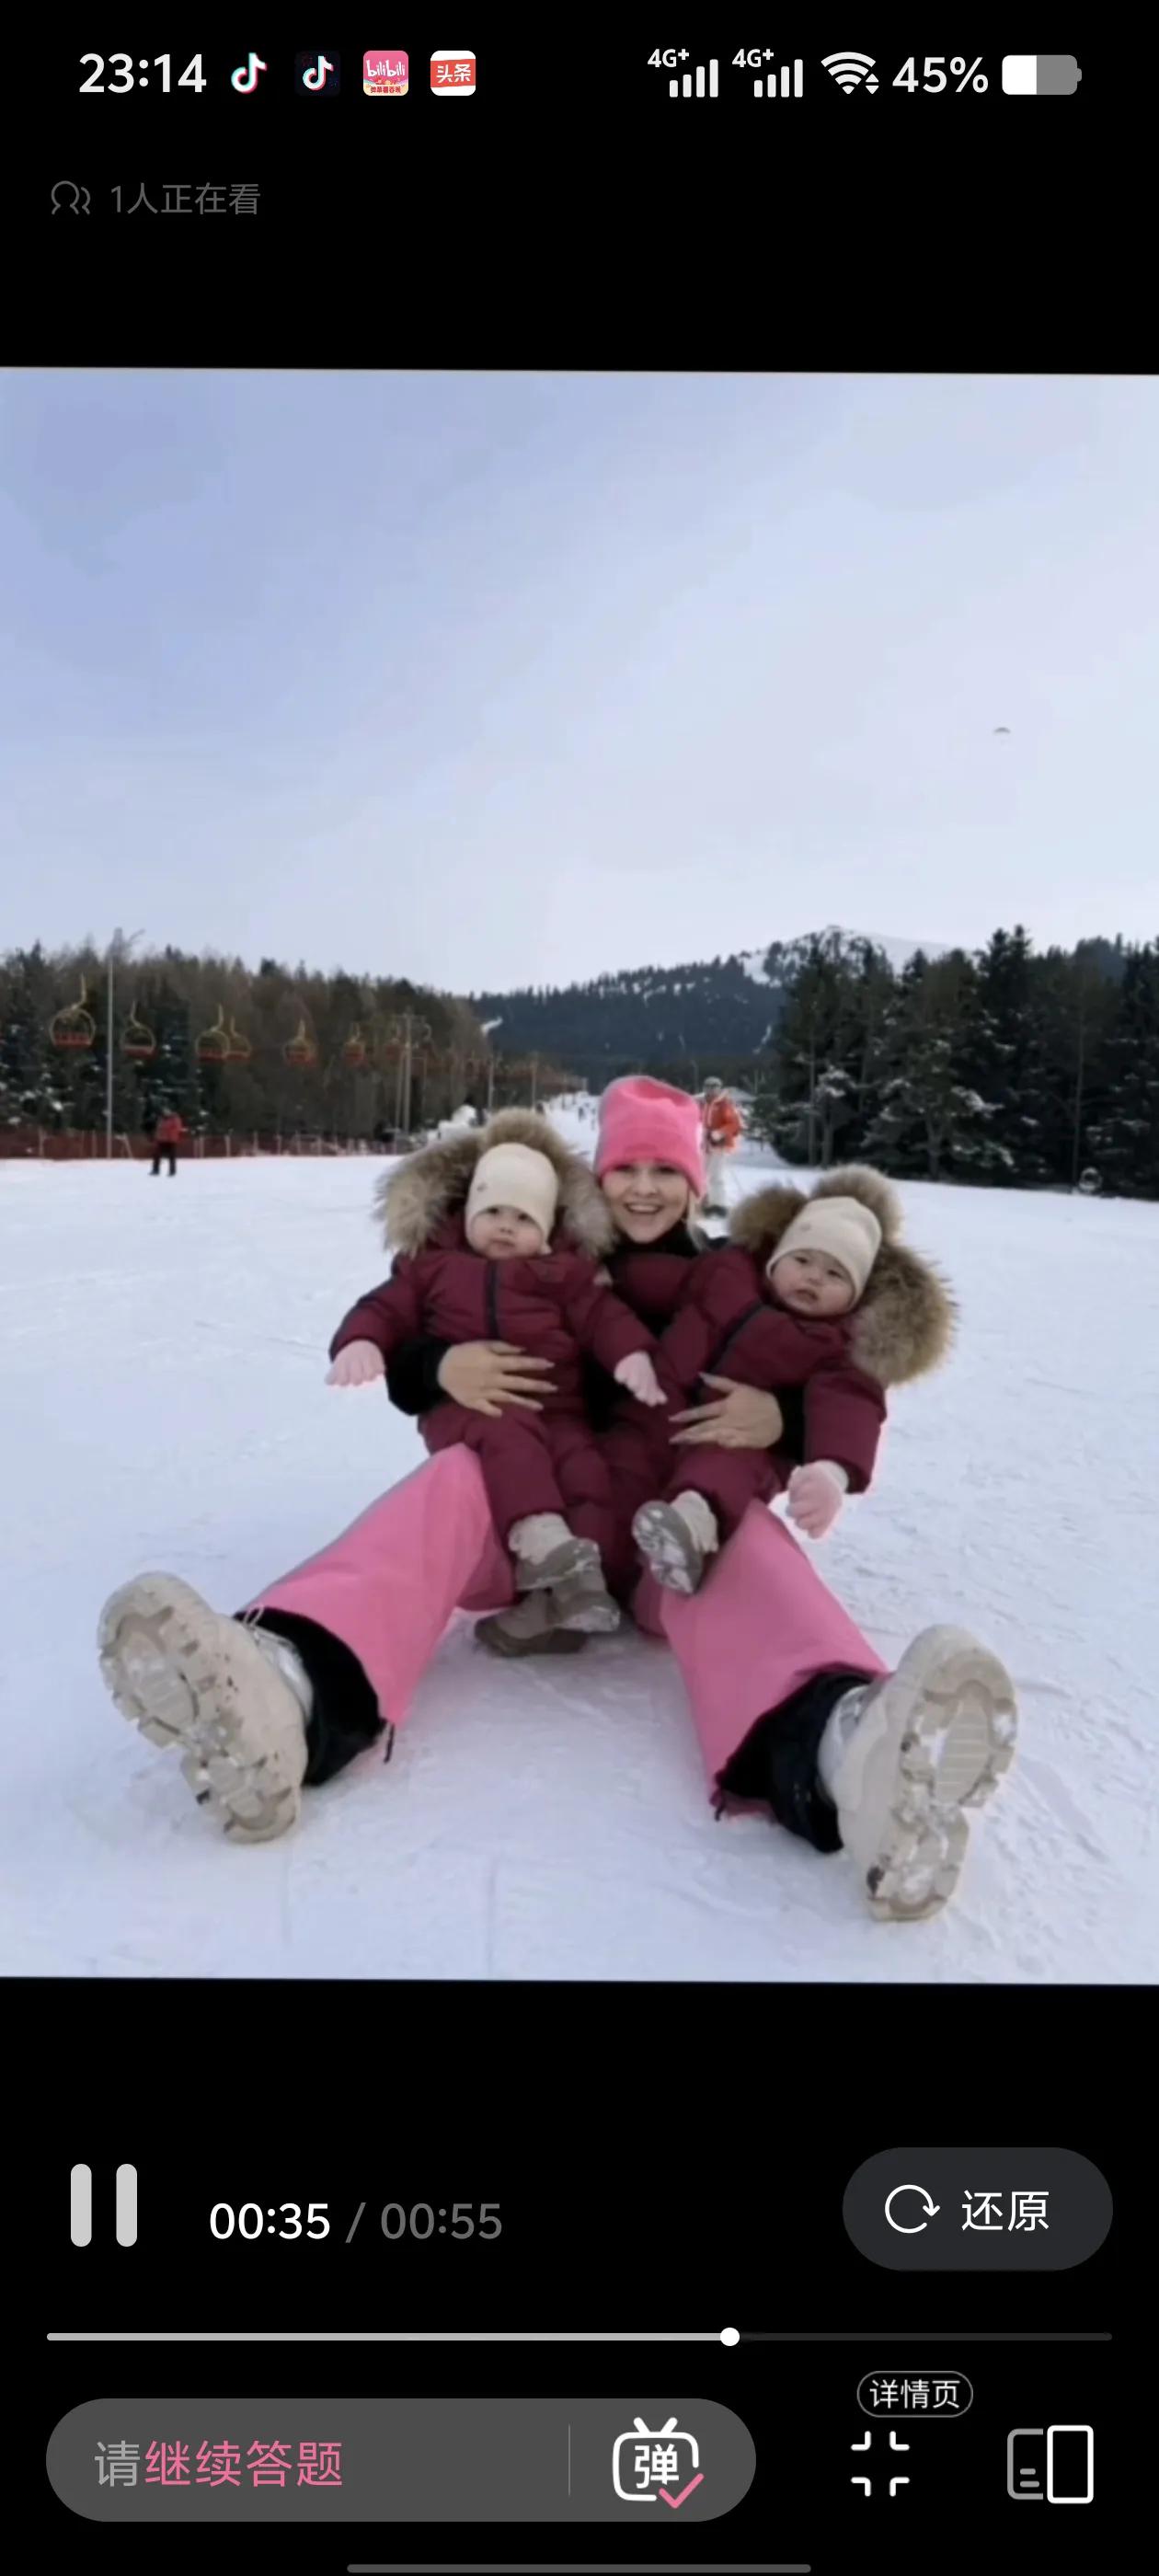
[(930, 2207)]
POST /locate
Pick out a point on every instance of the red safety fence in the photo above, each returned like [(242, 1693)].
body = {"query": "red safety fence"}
[(24, 1144)]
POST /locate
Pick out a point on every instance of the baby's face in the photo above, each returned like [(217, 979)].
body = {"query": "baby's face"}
[(810, 1283), (504, 1234)]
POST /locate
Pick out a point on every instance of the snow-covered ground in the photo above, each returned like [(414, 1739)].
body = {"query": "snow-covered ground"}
[(162, 1400)]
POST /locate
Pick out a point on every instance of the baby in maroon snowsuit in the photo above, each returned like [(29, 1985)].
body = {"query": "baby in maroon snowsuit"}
[(782, 1324), (493, 1273)]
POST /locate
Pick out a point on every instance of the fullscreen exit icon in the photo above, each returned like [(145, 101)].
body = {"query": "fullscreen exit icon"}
[(81, 2205)]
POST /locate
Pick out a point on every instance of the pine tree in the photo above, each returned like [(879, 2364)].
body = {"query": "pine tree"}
[(929, 1118), (1125, 1140), (815, 1087), (1077, 1003), (1006, 1057), (30, 1091)]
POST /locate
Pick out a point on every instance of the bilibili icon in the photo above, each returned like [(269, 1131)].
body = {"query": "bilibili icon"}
[(81, 2205)]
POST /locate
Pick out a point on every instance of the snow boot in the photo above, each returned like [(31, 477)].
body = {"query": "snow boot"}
[(675, 1538), (233, 1698), (528, 1629), (546, 1554), (903, 1758), (582, 1605)]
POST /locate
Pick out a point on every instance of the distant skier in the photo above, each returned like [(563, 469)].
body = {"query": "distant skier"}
[(721, 1125), (169, 1133)]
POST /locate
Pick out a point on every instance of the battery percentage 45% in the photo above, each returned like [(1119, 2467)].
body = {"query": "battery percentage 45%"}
[(933, 75)]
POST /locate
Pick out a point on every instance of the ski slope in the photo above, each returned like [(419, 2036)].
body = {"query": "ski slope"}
[(162, 1359)]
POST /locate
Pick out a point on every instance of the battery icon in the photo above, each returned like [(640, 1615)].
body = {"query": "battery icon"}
[(1040, 75)]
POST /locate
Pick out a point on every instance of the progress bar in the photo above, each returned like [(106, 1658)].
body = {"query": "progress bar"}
[(578, 2567), (728, 2336)]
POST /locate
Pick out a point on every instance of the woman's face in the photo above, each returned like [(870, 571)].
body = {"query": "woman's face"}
[(646, 1199)]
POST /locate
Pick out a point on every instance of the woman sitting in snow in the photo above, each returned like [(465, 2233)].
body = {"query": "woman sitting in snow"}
[(794, 1710)]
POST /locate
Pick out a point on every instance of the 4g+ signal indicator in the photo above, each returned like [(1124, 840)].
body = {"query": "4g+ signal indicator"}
[(850, 71), (1023, 75)]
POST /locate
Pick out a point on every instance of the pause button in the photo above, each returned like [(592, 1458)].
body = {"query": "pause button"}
[(81, 2205)]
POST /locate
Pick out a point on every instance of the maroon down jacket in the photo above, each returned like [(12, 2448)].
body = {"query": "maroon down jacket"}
[(726, 1327), (553, 1306)]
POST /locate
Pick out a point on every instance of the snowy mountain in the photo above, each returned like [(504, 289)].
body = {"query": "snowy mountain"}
[(712, 1015), (898, 951)]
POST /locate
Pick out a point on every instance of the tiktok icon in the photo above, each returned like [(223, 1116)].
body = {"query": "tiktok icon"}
[(318, 75), (245, 79)]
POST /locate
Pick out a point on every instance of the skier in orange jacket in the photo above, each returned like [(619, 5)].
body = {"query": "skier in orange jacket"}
[(169, 1132), (721, 1127)]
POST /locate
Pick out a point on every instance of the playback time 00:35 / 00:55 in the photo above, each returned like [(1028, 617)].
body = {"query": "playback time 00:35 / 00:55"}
[(289, 2220)]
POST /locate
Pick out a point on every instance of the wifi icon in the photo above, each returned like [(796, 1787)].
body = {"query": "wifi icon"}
[(850, 71)]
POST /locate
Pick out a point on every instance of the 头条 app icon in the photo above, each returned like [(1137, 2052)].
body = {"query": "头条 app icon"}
[(317, 75), (386, 75), (453, 74)]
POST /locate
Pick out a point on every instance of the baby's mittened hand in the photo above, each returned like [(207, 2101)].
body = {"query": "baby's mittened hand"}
[(815, 1499), (358, 1365), (639, 1376)]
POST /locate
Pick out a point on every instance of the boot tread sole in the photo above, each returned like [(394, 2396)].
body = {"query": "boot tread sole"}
[(163, 1677), (958, 1720)]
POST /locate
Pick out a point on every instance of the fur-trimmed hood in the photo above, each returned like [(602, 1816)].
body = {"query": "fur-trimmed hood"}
[(431, 1186), (907, 1319)]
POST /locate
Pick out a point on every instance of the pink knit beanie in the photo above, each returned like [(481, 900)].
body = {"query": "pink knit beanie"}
[(642, 1121)]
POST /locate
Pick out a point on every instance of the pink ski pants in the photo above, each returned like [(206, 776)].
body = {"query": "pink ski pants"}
[(761, 1625)]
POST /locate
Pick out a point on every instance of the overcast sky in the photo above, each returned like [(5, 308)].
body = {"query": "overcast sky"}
[(496, 679)]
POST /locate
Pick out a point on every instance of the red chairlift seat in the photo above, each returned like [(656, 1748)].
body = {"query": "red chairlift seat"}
[(301, 1051), (213, 1045), (75, 1025), (138, 1040)]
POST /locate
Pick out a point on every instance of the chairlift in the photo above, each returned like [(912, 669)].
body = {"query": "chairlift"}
[(138, 1040), (354, 1055), (213, 1045), (240, 1049), (74, 1026), (300, 1050)]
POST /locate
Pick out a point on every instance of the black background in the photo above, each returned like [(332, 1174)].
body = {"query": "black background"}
[(571, 216), (673, 2161)]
